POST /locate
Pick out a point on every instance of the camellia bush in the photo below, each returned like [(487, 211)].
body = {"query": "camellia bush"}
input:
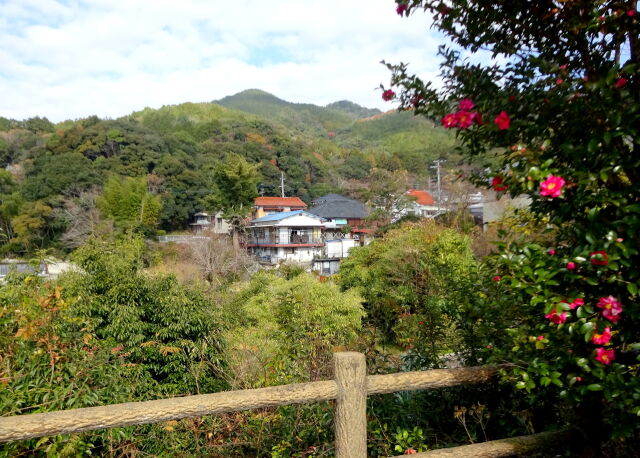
[(551, 103)]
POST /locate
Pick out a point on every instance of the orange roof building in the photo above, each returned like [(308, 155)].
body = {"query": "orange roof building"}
[(422, 197), (267, 205)]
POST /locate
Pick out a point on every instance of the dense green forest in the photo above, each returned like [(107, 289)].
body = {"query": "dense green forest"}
[(56, 172)]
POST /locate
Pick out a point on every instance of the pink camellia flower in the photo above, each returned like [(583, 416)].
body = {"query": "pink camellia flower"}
[(464, 119), (466, 105), (552, 186), (599, 258), (502, 120), (449, 121), (631, 13), (496, 278), (410, 451), (571, 265), (578, 379), (401, 8), (602, 339), (540, 337), (621, 82), (611, 308), (388, 95), (555, 317), (551, 251), (497, 184), (559, 81), (576, 303), (619, 240), (605, 356)]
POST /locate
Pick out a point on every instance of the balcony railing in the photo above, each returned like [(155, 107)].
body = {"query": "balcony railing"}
[(289, 239)]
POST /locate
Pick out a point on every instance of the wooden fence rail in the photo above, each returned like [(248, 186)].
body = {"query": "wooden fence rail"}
[(349, 388)]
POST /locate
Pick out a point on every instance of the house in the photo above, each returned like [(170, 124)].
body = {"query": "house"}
[(205, 223), (339, 212), (423, 205), (328, 262), (293, 236), (267, 205)]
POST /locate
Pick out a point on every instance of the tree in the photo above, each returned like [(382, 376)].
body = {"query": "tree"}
[(236, 186), (559, 110), (128, 203), (415, 282), (290, 327), (386, 193), (236, 181), (218, 261), (32, 227)]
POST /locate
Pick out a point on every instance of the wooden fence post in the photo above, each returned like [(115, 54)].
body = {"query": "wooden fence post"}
[(350, 373)]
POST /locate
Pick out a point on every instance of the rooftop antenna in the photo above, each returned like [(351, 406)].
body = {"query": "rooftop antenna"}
[(282, 183)]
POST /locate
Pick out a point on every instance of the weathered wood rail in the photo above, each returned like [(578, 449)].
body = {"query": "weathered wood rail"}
[(350, 388)]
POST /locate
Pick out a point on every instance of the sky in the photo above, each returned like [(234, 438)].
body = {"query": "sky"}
[(68, 59)]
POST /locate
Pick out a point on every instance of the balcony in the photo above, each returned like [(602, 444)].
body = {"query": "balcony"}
[(287, 240)]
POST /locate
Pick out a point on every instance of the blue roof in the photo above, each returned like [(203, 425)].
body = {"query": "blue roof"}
[(282, 215)]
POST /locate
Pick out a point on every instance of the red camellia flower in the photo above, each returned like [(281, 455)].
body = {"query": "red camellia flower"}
[(599, 258), (576, 303), (464, 119), (410, 451), (621, 82), (602, 339), (496, 278), (401, 8), (540, 337), (551, 251), (552, 186), (497, 184), (502, 120), (631, 13), (388, 95), (449, 121), (466, 105), (559, 81), (611, 308), (555, 317), (605, 356), (571, 265)]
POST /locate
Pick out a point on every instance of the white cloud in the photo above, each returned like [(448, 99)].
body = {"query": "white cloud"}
[(74, 58)]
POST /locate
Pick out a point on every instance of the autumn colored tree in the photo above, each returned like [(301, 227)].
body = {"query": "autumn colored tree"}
[(556, 115)]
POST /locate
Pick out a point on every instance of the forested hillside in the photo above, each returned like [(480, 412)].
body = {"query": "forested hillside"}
[(55, 173)]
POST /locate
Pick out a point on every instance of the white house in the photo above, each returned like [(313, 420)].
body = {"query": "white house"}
[(328, 263), (294, 236), (204, 222)]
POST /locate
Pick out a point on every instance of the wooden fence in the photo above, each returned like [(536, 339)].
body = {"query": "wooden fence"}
[(350, 389)]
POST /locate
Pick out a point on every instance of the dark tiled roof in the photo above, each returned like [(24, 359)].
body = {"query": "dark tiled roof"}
[(337, 206)]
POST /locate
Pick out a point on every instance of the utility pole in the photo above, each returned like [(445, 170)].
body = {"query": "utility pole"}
[(437, 167), (282, 183)]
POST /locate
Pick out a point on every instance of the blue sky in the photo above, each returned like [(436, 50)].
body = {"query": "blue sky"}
[(67, 59)]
